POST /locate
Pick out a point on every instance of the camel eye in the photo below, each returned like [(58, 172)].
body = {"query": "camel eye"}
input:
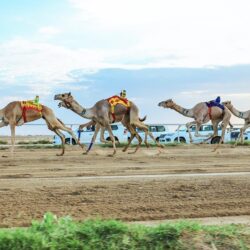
[(62, 95)]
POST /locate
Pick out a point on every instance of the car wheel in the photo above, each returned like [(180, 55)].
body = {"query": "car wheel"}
[(181, 139), (109, 139), (215, 140), (67, 141)]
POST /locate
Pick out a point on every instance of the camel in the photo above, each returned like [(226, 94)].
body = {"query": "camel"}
[(14, 115), (243, 115), (202, 114), (101, 115)]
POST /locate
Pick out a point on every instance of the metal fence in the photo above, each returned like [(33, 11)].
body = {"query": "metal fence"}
[(32, 129)]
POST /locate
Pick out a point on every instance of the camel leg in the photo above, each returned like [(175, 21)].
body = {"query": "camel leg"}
[(69, 130), (241, 134), (145, 129), (58, 132), (225, 122), (215, 129), (102, 139), (188, 125), (13, 137), (133, 134), (97, 128), (224, 126), (108, 127)]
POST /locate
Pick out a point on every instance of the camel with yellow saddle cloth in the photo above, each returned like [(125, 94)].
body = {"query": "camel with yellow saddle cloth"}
[(18, 113)]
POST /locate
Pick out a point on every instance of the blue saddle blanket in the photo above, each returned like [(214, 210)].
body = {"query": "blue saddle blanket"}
[(215, 104)]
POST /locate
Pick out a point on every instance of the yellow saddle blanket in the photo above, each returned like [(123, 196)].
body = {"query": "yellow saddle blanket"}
[(31, 105), (114, 100)]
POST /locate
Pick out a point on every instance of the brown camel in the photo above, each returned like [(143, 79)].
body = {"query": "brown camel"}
[(14, 115), (243, 115), (101, 114), (201, 115)]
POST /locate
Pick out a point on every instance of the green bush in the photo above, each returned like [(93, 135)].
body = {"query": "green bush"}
[(64, 233)]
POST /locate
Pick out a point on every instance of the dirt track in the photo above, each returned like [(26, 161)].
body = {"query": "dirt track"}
[(36, 181)]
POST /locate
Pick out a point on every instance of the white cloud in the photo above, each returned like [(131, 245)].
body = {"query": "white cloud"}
[(198, 33), (44, 66), (49, 31)]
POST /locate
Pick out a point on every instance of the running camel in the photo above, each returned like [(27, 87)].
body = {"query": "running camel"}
[(102, 115), (202, 113), (243, 115), (18, 113)]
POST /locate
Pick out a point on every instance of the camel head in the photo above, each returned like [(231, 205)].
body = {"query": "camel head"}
[(167, 104), (66, 99), (228, 104)]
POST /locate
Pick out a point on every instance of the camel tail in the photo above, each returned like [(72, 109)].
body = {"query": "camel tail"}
[(60, 121), (143, 119), (1, 114)]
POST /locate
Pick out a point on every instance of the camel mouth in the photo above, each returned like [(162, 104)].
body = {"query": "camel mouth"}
[(56, 97), (160, 104)]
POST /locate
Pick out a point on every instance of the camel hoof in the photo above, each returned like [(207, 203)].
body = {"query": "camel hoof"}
[(85, 153), (59, 154), (111, 155), (131, 153)]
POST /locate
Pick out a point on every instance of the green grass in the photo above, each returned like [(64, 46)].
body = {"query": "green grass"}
[(245, 143), (64, 233), (121, 145), (40, 146), (3, 142), (34, 142)]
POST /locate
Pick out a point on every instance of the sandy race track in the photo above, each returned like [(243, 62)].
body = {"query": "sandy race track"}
[(145, 186)]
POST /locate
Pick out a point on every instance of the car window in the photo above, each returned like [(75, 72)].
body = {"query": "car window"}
[(114, 127), (90, 129), (152, 129), (193, 128), (161, 129), (206, 128)]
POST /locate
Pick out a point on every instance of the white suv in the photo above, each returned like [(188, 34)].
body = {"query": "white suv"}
[(156, 129), (87, 133), (181, 135)]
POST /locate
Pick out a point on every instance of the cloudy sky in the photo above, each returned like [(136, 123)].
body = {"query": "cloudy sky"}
[(190, 51)]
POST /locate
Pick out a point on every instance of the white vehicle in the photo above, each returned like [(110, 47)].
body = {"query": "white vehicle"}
[(181, 135), (119, 132), (156, 129)]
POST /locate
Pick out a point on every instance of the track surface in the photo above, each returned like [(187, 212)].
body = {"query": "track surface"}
[(141, 187)]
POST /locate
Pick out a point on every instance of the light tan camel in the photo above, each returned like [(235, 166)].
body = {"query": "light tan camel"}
[(101, 114), (202, 114), (13, 115), (243, 115)]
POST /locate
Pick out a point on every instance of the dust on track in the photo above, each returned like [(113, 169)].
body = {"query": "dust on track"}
[(37, 181)]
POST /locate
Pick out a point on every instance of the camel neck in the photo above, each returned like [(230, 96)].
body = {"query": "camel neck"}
[(236, 112), (78, 109), (183, 111)]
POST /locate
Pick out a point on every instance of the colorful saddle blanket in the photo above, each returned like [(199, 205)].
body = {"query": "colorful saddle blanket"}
[(30, 105), (114, 100), (215, 104)]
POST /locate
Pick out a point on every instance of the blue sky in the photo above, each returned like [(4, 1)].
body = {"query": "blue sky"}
[(190, 51)]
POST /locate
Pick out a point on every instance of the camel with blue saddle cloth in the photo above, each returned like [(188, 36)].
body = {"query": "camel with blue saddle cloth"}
[(202, 113)]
